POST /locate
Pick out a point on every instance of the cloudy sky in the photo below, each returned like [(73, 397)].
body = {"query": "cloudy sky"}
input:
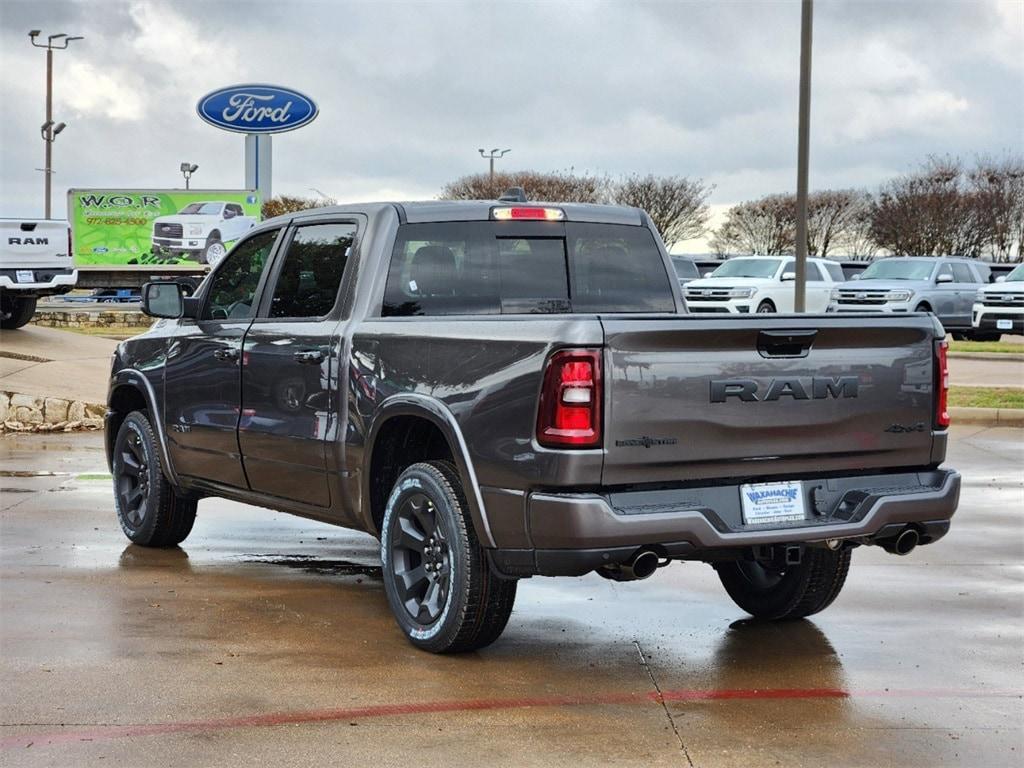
[(408, 91)]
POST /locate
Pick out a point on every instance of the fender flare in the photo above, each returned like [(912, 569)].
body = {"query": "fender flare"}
[(429, 409), (130, 378)]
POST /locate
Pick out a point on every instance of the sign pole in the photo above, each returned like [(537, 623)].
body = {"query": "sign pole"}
[(259, 164)]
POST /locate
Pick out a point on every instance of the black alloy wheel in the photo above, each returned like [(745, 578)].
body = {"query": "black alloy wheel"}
[(133, 479), (421, 559)]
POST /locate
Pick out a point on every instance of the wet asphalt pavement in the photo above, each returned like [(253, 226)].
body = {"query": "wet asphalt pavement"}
[(266, 640)]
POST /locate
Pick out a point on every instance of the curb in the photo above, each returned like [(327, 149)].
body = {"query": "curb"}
[(1011, 356), (988, 417)]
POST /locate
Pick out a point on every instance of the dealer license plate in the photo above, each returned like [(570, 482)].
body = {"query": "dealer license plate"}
[(24, 276), (1004, 325), (765, 503)]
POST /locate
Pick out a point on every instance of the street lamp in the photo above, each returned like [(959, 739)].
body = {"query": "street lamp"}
[(49, 129), (187, 169), (494, 154)]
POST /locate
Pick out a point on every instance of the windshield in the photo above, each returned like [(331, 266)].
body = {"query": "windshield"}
[(898, 269), (203, 209), (747, 268), (1017, 276)]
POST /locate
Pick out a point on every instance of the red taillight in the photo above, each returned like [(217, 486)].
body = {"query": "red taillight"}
[(941, 384), (532, 213), (570, 400)]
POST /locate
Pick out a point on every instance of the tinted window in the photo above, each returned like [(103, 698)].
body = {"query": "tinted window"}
[(685, 268), (834, 270), (233, 285), (310, 277), (490, 268), (962, 273), (813, 271)]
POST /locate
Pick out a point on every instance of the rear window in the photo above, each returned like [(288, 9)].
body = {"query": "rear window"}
[(484, 267)]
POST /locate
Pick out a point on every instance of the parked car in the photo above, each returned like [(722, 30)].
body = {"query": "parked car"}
[(999, 308), (35, 261), (762, 284), (201, 230), (685, 269), (499, 391), (946, 287), (107, 296)]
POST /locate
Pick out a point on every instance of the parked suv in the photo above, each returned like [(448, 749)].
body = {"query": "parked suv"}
[(999, 308), (762, 284), (945, 287), (201, 230), (499, 391)]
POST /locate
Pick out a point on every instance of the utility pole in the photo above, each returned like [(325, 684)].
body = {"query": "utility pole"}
[(49, 130), (494, 154), (803, 155)]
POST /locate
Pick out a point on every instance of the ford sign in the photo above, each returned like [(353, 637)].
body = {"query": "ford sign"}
[(256, 109)]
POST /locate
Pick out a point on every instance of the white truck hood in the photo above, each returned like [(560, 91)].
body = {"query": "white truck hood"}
[(729, 282)]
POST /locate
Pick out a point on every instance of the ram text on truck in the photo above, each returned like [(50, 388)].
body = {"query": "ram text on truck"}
[(35, 261), (499, 391)]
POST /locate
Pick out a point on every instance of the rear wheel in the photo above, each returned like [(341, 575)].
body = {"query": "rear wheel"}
[(765, 308), (438, 582), (149, 510), (789, 593), (16, 311)]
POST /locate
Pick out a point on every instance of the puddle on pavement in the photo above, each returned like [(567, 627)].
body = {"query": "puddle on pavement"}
[(17, 490), (31, 473), (317, 565)]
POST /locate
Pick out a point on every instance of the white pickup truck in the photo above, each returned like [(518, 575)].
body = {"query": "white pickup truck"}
[(201, 230), (35, 260)]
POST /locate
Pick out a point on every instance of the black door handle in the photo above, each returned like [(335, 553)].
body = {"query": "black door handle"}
[(226, 354), (309, 356)]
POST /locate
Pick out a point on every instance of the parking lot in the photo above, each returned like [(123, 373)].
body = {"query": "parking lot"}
[(267, 638)]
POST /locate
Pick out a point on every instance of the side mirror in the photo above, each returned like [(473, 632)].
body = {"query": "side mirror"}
[(787, 276), (1001, 279), (163, 300), (944, 279)]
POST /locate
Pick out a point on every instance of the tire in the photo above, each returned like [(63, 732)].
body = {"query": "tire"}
[(213, 252), (923, 307), (798, 591), (437, 579), (16, 311), (765, 308), (155, 516)]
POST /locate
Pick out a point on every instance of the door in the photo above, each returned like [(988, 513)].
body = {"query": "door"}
[(203, 372), (818, 290), (944, 303), (290, 373), (967, 286)]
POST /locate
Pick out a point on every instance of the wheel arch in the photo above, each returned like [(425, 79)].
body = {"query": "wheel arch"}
[(410, 419), (130, 390)]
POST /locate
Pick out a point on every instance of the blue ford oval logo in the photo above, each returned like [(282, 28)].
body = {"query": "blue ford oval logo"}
[(256, 109)]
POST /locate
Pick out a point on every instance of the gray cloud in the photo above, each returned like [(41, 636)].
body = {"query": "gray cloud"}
[(409, 91)]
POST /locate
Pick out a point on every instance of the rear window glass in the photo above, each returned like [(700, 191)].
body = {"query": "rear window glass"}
[(465, 268)]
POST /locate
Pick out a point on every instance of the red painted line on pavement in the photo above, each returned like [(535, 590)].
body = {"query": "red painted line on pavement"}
[(107, 732)]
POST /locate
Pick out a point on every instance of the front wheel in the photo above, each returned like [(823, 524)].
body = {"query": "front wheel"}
[(790, 593), (438, 582), (149, 510), (16, 311), (765, 308), (214, 251)]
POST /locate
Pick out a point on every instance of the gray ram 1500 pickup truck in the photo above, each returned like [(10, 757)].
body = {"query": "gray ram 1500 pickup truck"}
[(503, 390)]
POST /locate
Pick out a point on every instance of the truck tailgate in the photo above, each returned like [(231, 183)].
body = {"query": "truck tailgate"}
[(691, 398), (29, 244)]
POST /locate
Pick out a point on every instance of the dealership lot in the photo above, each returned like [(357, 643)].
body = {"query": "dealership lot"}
[(268, 638)]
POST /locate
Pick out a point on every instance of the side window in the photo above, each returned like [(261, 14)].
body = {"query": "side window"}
[(834, 271), (944, 270), (233, 285), (962, 273), (813, 271), (310, 277)]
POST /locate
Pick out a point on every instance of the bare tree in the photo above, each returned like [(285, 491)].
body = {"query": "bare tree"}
[(559, 186), (998, 186), (831, 218), (277, 206), (930, 212), (765, 227), (677, 205), (856, 240)]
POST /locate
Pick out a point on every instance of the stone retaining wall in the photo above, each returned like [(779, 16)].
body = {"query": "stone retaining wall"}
[(27, 413), (96, 318)]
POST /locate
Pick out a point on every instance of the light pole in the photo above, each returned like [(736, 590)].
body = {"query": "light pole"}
[(802, 155), (187, 169), (492, 155), (49, 130)]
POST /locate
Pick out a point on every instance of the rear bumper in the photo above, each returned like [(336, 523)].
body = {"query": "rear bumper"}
[(575, 533), (49, 280)]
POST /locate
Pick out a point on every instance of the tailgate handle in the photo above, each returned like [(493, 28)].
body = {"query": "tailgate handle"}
[(785, 343), (28, 226)]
